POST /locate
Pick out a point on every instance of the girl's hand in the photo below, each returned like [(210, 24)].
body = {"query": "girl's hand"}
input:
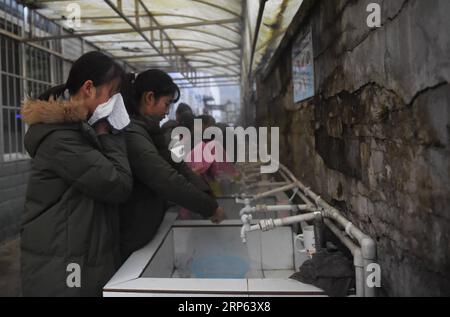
[(102, 127), (197, 170), (218, 216)]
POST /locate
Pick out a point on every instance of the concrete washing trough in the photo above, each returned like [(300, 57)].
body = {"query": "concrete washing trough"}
[(196, 258)]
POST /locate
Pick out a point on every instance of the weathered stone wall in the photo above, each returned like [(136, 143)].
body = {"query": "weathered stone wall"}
[(375, 140)]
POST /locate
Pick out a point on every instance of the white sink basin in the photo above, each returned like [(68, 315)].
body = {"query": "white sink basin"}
[(195, 258)]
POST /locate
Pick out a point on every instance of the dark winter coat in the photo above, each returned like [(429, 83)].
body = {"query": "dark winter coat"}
[(71, 211), (157, 179)]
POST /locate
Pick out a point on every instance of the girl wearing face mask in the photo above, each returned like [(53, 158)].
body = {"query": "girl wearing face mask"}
[(157, 178), (80, 173)]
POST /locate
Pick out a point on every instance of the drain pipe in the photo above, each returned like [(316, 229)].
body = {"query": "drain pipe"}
[(368, 245), (253, 169), (357, 257), (252, 174), (270, 224), (276, 208), (358, 261), (264, 185), (319, 232), (275, 191), (299, 193), (252, 180)]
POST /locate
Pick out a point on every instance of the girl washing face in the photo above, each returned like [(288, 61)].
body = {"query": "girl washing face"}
[(80, 173)]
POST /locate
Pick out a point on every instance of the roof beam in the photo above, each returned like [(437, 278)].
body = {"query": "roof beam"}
[(36, 46), (131, 57), (157, 40), (220, 48), (215, 81), (95, 18), (181, 25), (213, 34), (199, 1), (209, 77), (185, 69), (132, 30), (142, 15), (208, 66), (181, 61), (210, 86), (217, 7), (212, 60), (259, 21)]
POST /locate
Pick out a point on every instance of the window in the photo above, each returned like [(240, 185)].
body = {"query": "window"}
[(25, 71), (11, 94)]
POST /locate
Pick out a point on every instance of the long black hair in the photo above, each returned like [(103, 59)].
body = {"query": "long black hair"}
[(95, 66), (182, 108), (154, 80)]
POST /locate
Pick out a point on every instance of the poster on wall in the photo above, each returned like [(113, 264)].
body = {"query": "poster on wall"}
[(303, 68)]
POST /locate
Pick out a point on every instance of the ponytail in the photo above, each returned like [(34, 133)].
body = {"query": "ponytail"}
[(94, 66), (129, 94), (154, 80), (54, 92)]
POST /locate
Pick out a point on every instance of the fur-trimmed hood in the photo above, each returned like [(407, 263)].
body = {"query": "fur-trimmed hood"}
[(54, 111), (46, 117)]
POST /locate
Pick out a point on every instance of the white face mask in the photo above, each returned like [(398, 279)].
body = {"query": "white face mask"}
[(177, 148), (115, 112)]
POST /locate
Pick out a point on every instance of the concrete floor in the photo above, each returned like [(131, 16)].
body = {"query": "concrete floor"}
[(10, 268)]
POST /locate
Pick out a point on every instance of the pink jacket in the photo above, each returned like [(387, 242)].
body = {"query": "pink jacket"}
[(202, 160)]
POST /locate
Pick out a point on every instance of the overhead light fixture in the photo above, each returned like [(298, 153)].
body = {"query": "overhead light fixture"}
[(132, 49)]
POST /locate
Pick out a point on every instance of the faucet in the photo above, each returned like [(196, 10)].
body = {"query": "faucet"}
[(270, 224), (247, 202), (247, 221), (246, 215), (266, 224), (276, 208)]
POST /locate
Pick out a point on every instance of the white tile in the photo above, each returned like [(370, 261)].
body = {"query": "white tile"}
[(210, 248), (165, 295), (139, 260), (277, 249), (178, 287), (278, 274), (163, 263), (281, 287), (258, 274)]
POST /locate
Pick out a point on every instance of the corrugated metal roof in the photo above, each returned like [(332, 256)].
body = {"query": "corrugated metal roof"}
[(185, 36), (278, 15)]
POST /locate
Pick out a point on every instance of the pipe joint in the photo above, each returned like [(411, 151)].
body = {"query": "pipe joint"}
[(357, 258), (261, 208), (368, 247), (318, 215), (348, 229), (267, 225)]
